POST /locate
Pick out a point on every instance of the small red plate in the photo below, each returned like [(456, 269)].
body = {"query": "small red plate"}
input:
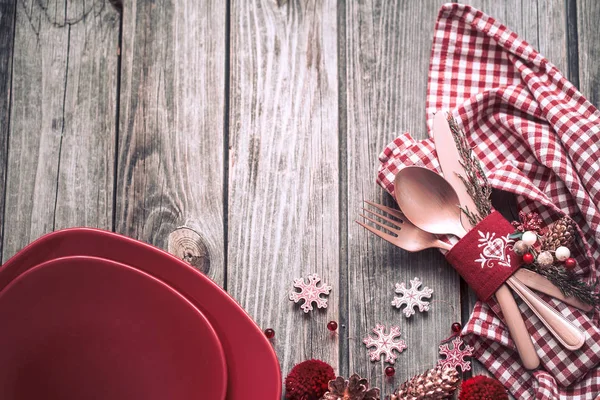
[(89, 328), (252, 366)]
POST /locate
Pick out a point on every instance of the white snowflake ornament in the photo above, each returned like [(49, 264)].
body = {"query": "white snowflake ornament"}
[(385, 343), (412, 297), (455, 356), (310, 292)]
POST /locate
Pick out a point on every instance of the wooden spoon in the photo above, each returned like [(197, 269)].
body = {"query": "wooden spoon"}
[(428, 201)]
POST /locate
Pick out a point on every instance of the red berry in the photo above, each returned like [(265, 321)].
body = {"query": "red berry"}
[(269, 333), (570, 263), (527, 258), (390, 371), (456, 327), (332, 326)]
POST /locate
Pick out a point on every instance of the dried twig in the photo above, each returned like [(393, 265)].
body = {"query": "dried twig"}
[(476, 182), (569, 284)]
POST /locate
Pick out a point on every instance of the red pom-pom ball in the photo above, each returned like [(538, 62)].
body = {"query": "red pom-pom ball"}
[(482, 388), (308, 380)]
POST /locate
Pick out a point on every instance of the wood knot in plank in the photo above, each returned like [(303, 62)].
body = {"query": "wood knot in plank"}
[(187, 244)]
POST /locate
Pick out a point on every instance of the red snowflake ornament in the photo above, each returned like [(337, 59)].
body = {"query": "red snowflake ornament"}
[(529, 222), (310, 292), (385, 343), (455, 356), (412, 297)]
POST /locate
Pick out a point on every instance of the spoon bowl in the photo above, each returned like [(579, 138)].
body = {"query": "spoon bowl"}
[(419, 192)]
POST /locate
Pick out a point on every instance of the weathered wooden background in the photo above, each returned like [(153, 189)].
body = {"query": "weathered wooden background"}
[(257, 125)]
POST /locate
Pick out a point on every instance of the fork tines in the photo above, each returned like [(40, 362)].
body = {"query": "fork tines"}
[(396, 224)]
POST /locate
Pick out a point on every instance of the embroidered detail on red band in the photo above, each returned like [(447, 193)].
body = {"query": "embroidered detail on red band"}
[(485, 257)]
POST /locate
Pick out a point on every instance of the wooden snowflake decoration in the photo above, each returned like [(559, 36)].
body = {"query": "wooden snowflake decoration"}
[(455, 356), (310, 292), (385, 343), (412, 297)]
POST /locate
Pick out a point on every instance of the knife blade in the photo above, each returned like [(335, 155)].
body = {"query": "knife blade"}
[(449, 158)]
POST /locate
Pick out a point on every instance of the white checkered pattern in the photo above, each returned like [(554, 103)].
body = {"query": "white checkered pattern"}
[(537, 137)]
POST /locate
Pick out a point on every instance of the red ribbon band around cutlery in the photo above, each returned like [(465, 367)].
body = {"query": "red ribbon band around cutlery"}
[(484, 257)]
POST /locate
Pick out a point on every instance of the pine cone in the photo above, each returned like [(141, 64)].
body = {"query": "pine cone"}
[(435, 384), (356, 388), (561, 233)]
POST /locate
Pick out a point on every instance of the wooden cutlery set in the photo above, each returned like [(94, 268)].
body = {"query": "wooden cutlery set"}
[(432, 207)]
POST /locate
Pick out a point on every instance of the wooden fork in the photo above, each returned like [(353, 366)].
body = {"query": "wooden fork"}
[(410, 238), (406, 235)]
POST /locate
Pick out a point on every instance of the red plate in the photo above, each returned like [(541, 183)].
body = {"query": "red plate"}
[(89, 328), (252, 367)]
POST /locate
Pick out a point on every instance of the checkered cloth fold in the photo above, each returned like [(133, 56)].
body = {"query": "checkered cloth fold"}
[(538, 138)]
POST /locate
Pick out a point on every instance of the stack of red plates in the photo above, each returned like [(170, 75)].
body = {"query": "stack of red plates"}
[(89, 314)]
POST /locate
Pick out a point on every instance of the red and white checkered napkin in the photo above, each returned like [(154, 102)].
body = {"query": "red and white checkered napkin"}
[(537, 137)]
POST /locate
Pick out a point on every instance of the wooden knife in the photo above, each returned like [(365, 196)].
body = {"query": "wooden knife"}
[(449, 158)]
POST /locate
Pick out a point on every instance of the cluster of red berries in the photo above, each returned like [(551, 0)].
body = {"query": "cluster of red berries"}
[(569, 263), (524, 248)]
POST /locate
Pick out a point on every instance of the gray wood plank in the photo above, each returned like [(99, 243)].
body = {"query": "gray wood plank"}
[(387, 59), (283, 169), (541, 23), (7, 32), (171, 143), (375, 30), (62, 130), (588, 15), (572, 42)]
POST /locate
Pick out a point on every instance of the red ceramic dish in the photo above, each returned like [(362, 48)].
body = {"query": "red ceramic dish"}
[(89, 328), (252, 367)]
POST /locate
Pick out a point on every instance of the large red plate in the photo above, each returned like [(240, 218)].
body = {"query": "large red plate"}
[(252, 367), (89, 328)]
